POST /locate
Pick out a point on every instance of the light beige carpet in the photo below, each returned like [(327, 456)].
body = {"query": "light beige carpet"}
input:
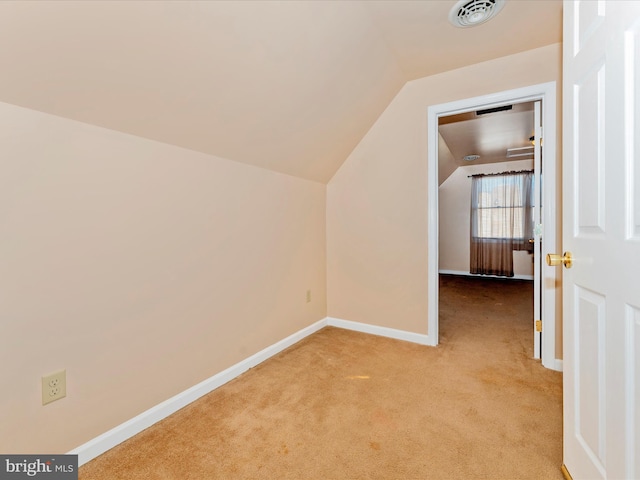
[(346, 405)]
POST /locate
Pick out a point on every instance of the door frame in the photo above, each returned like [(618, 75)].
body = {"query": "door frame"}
[(546, 93)]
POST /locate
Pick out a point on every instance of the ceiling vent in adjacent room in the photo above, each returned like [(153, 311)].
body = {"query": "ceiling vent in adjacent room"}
[(469, 13), (520, 152), (504, 108)]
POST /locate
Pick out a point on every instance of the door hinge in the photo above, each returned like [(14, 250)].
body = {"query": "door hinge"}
[(538, 325)]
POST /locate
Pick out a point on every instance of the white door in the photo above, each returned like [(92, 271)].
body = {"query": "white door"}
[(601, 228)]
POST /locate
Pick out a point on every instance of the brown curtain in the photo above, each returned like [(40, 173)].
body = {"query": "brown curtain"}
[(501, 221)]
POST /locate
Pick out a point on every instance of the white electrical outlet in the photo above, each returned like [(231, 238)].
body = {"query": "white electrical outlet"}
[(54, 386)]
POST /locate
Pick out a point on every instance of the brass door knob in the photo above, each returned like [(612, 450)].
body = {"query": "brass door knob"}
[(553, 259)]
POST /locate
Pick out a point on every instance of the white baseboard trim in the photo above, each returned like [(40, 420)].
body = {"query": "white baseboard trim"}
[(97, 446), (380, 331), (558, 366), (128, 429), (467, 274)]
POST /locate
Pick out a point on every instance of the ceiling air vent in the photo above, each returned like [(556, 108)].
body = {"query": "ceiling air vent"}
[(520, 152), (504, 108), (467, 13)]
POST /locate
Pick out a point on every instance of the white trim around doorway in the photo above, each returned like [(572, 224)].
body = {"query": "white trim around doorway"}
[(546, 92)]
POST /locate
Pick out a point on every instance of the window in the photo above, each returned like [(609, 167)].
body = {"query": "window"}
[(498, 206), (501, 221)]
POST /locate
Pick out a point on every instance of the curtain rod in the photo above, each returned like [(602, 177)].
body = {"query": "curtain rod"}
[(512, 172)]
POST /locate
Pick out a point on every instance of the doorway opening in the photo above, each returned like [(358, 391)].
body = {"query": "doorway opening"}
[(545, 237), (486, 180)]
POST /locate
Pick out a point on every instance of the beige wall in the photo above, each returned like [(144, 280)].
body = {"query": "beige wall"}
[(377, 201), (144, 268), (454, 204), (141, 268)]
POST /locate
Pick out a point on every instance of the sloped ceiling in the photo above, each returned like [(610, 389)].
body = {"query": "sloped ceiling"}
[(291, 86), (488, 135)]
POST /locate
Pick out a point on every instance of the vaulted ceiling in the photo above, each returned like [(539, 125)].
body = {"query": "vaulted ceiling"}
[(291, 86), (487, 135)]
